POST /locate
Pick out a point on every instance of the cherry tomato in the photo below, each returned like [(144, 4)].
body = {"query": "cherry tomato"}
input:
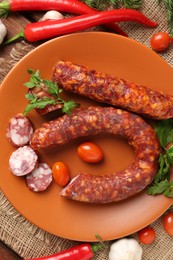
[(168, 223), (90, 152), (61, 173), (147, 235), (160, 41)]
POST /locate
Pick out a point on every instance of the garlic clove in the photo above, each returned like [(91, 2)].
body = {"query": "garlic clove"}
[(3, 31), (52, 15)]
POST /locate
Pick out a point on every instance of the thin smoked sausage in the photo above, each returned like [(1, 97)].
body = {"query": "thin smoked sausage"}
[(112, 90), (94, 120)]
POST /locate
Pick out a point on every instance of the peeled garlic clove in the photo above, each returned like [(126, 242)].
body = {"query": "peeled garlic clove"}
[(52, 15), (3, 31)]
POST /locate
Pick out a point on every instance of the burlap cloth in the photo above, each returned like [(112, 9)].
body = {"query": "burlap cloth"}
[(30, 241)]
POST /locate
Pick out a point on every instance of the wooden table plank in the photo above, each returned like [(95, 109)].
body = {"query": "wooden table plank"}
[(15, 23), (7, 254)]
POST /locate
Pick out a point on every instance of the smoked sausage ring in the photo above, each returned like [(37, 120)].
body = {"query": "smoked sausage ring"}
[(94, 120)]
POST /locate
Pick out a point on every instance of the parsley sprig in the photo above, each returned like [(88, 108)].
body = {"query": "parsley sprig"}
[(34, 101), (161, 183), (105, 4)]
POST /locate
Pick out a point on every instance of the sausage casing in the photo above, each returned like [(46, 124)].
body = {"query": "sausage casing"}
[(112, 90), (94, 120)]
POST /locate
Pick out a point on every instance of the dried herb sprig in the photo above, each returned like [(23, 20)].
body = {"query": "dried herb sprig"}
[(105, 4), (169, 8)]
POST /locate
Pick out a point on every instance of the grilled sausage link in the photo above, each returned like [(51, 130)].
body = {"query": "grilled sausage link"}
[(112, 90), (91, 121)]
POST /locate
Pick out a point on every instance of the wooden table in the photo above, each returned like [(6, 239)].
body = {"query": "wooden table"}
[(6, 253), (15, 23)]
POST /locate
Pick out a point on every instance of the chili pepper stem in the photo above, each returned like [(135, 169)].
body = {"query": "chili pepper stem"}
[(101, 245), (4, 9), (16, 37), (97, 247)]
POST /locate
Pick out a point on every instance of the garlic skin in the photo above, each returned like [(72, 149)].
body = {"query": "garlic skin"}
[(3, 31), (125, 249), (52, 15)]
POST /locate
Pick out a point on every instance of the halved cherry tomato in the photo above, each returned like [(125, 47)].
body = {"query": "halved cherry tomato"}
[(147, 235), (61, 173), (90, 152), (168, 223), (160, 41)]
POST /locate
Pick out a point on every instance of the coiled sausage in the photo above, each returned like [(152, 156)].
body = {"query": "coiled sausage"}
[(113, 90), (94, 120)]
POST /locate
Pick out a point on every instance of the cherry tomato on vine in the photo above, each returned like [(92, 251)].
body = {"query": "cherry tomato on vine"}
[(61, 173), (168, 223), (160, 41), (90, 152), (147, 235)]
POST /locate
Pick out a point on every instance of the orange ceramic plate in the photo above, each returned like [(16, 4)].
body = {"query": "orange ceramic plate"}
[(110, 53)]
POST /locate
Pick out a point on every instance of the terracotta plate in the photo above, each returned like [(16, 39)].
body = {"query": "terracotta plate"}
[(110, 53)]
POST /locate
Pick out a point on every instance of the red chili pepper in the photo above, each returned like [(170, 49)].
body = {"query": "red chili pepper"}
[(80, 252), (48, 29), (67, 6)]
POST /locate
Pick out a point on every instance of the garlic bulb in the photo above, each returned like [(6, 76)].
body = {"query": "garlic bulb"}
[(3, 31), (125, 249), (52, 15)]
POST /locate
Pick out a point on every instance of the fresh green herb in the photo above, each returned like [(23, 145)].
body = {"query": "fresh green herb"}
[(161, 183), (35, 102), (52, 88), (35, 79), (105, 4), (169, 154), (163, 169), (164, 130), (53, 99), (159, 187), (169, 8), (169, 191), (68, 106)]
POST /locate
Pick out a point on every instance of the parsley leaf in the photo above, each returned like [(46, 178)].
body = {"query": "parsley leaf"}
[(68, 106), (164, 131), (163, 169), (35, 102), (158, 187), (169, 191), (35, 79), (169, 154), (161, 183), (51, 88)]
